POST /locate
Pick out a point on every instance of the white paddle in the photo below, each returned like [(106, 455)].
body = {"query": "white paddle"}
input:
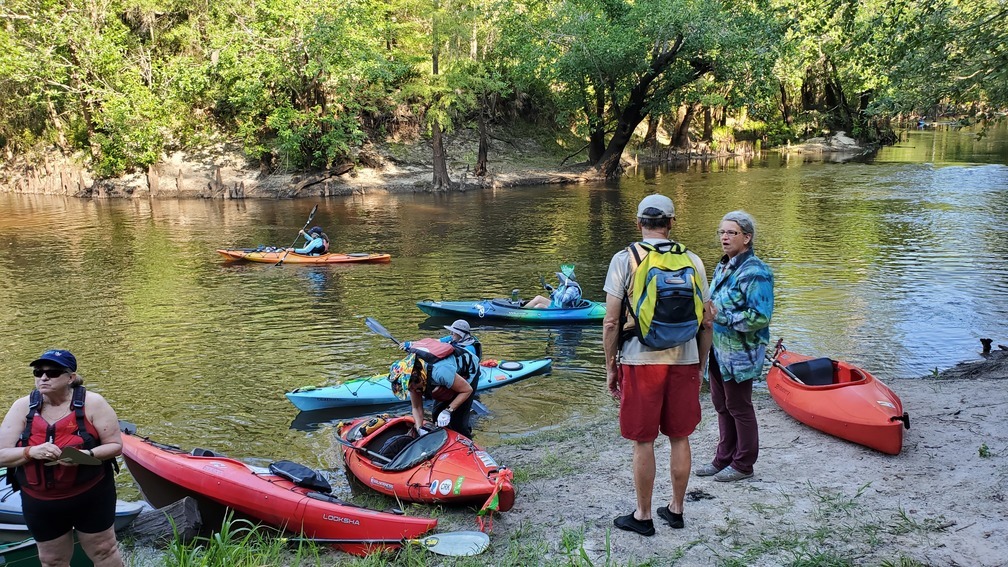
[(456, 544)]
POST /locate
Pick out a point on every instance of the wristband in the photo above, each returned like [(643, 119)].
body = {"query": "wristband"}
[(27, 456)]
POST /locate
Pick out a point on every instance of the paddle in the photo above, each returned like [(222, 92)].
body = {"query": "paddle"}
[(456, 544), (376, 456), (287, 251), (784, 369), (379, 329)]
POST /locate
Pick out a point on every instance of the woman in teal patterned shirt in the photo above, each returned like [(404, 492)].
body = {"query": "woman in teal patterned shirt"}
[(742, 304)]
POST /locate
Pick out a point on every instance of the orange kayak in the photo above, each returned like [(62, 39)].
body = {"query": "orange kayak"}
[(441, 467), (273, 255), (838, 398)]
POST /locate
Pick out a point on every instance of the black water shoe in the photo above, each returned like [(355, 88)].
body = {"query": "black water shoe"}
[(673, 519), (631, 524)]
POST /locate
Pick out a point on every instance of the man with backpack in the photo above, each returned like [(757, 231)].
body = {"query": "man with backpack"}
[(656, 346)]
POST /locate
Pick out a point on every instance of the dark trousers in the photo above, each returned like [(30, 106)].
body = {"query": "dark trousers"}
[(739, 442), (459, 421)]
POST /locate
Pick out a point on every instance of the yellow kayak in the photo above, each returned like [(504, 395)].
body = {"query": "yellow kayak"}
[(273, 255)]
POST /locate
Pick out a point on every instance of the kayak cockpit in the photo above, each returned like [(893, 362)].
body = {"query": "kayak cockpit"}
[(398, 443), (826, 372), (520, 304)]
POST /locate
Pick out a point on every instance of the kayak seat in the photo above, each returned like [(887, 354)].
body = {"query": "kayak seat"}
[(420, 450), (395, 445), (377, 441), (200, 452), (814, 372)]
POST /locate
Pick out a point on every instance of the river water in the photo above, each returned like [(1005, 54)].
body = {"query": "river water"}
[(896, 263)]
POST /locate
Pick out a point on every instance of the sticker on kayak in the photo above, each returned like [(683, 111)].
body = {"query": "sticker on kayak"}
[(458, 485), (382, 483), (487, 460), (443, 487), (479, 307), (886, 404)]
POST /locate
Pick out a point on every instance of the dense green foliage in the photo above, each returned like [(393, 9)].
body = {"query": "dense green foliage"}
[(307, 85)]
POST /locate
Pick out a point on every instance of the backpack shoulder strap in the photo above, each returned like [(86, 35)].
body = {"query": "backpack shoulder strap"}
[(465, 362), (34, 407), (77, 405)]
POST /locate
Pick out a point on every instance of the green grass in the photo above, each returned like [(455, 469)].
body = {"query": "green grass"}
[(239, 543)]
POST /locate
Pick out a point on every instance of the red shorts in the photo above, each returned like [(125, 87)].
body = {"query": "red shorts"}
[(659, 397)]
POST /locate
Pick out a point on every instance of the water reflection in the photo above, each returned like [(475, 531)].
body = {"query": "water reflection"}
[(895, 264)]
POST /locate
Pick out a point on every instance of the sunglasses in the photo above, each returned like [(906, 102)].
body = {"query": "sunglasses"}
[(50, 372)]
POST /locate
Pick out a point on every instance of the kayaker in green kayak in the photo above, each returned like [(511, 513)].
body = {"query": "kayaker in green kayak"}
[(565, 296)]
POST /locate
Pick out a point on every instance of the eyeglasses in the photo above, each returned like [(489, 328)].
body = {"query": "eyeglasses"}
[(731, 233), (49, 372)]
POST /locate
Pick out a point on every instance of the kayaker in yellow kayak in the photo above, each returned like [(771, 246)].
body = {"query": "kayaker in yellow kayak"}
[(318, 242)]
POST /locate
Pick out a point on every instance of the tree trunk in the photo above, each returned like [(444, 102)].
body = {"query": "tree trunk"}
[(596, 127), (838, 107), (681, 139), (785, 106), (651, 138), (723, 117), (57, 122), (441, 181), (481, 154), (708, 125)]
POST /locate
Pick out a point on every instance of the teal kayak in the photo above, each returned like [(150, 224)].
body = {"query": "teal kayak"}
[(12, 521), (504, 309), (377, 390)]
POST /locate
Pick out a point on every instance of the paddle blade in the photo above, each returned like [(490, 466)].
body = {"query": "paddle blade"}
[(377, 327), (457, 544), (567, 269)]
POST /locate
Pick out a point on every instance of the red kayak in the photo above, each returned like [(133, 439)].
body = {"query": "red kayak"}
[(299, 503), (440, 467), (838, 398)]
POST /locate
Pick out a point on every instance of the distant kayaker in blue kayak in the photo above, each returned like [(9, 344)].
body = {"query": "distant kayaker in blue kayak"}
[(565, 296), (318, 242)]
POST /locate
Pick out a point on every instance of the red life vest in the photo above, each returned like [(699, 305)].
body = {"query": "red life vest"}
[(431, 350), (72, 430)]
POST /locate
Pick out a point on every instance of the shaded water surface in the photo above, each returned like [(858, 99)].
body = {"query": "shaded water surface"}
[(896, 264)]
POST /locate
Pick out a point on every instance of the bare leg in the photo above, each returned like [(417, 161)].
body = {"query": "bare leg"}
[(680, 461), (644, 475), (56, 552), (538, 302), (102, 548)]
